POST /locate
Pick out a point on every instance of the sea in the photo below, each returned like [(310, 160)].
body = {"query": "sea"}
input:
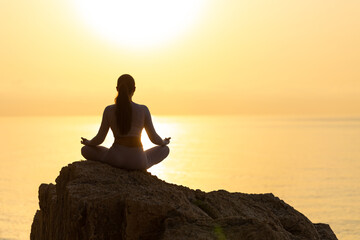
[(312, 163)]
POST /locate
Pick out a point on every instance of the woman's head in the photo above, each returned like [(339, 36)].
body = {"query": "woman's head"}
[(125, 87), (127, 83)]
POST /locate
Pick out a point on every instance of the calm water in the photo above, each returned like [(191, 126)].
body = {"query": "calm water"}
[(312, 164)]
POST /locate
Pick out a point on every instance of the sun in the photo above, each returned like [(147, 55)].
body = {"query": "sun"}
[(139, 23)]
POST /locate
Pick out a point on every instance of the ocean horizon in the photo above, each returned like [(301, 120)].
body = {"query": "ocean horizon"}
[(312, 163)]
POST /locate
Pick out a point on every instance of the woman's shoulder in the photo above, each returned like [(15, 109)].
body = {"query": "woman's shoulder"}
[(110, 108), (140, 106)]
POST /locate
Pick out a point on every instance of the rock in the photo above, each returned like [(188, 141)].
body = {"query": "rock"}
[(92, 200)]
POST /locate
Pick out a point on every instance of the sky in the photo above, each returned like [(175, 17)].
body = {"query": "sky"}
[(192, 57)]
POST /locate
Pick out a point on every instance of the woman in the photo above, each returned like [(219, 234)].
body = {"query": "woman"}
[(126, 120)]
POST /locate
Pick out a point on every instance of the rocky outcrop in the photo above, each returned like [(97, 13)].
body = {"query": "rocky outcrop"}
[(95, 201)]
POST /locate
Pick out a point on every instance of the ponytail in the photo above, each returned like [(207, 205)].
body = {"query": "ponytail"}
[(126, 86)]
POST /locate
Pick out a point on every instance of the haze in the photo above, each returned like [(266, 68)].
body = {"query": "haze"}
[(238, 57)]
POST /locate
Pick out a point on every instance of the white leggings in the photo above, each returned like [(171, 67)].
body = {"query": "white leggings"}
[(126, 157)]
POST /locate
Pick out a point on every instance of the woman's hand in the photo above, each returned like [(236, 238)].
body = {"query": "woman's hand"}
[(85, 141), (166, 141)]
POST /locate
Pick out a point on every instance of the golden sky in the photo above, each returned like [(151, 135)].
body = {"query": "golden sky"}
[(218, 57)]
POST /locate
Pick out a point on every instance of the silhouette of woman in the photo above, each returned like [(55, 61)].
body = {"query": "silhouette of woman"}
[(126, 120)]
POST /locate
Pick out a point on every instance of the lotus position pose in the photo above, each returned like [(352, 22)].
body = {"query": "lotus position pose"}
[(126, 120)]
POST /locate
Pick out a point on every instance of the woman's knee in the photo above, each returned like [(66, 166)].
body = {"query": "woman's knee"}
[(85, 151), (166, 150)]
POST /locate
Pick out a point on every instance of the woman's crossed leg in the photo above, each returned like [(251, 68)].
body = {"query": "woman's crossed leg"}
[(95, 153)]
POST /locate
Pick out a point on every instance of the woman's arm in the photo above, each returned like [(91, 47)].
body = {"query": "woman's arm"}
[(150, 130), (100, 136)]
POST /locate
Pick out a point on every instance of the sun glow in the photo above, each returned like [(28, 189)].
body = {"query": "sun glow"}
[(139, 23)]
